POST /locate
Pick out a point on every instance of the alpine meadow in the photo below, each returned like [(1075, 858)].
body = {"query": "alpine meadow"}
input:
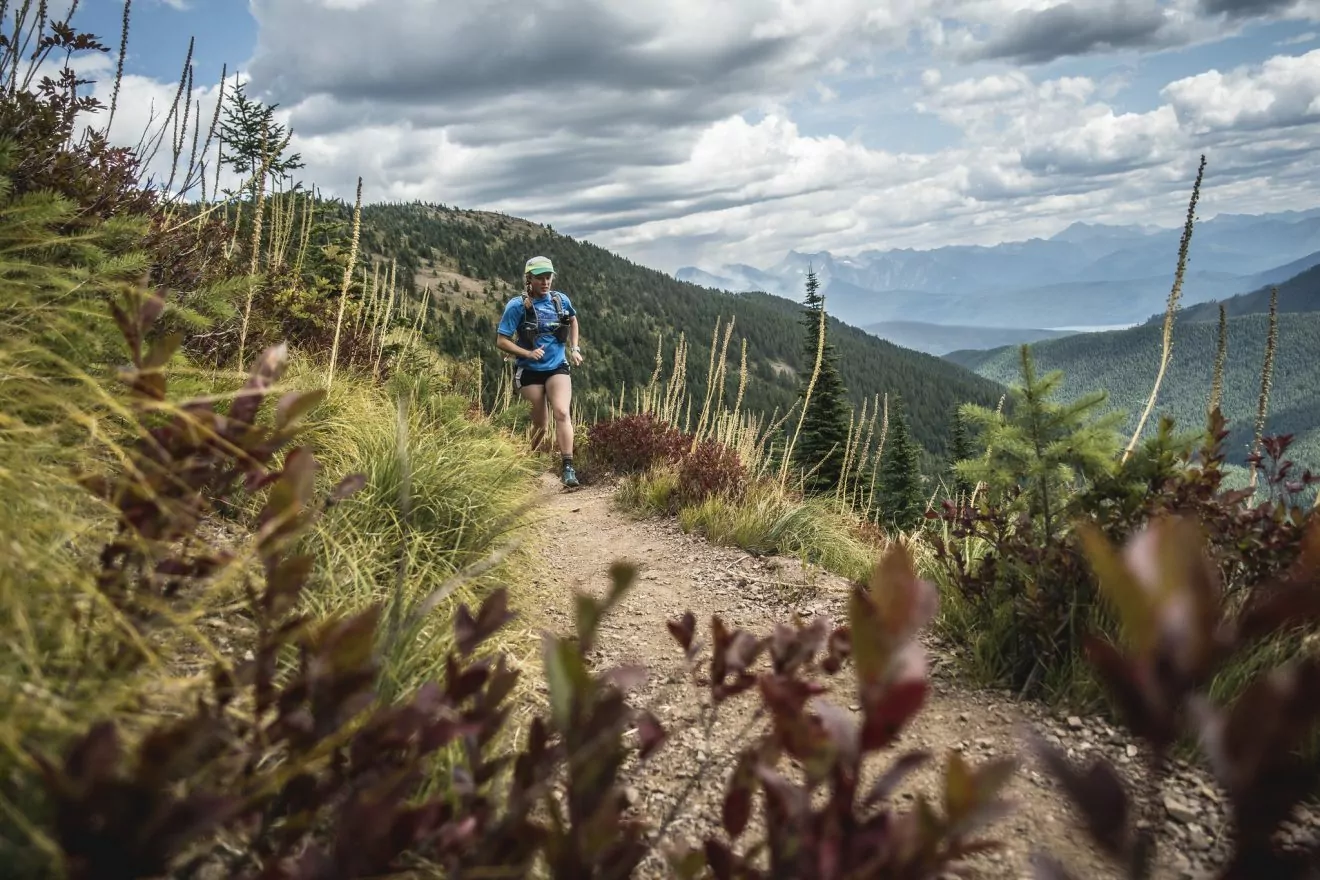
[(287, 593)]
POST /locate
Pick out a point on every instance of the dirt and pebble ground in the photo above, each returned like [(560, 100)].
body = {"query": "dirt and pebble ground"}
[(682, 572)]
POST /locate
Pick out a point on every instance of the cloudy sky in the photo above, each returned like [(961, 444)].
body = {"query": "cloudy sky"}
[(683, 132)]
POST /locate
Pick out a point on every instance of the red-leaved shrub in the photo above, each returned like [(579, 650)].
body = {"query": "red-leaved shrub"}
[(710, 469), (635, 443)]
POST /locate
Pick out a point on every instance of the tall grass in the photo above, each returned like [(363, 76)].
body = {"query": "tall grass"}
[(773, 515), (443, 492), (1266, 378)]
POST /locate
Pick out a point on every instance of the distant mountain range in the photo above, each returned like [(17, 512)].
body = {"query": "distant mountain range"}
[(1085, 276)]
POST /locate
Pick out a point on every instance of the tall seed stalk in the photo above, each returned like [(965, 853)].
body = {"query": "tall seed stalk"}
[(347, 281), (879, 451), (866, 457), (309, 210), (1174, 294), (119, 66), (385, 321), (806, 399), (710, 381), (1266, 376), (1221, 358), (259, 186)]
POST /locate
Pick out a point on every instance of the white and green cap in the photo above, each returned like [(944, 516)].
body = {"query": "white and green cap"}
[(539, 266)]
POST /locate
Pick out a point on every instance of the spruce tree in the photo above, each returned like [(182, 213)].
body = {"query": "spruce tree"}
[(250, 133), (1045, 448), (898, 488), (823, 437)]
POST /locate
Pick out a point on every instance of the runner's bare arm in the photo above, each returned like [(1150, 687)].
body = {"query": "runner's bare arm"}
[(504, 343), (573, 340)]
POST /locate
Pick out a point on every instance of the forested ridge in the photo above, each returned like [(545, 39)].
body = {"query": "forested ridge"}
[(626, 307), (1125, 362), (1300, 293)]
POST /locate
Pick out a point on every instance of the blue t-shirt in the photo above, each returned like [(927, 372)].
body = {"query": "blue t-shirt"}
[(547, 320)]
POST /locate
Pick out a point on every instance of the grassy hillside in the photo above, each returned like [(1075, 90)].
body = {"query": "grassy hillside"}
[(1300, 293), (1125, 362), (473, 260)]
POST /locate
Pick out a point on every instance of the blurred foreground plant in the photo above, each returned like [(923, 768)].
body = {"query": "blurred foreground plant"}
[(850, 833), (1178, 632)]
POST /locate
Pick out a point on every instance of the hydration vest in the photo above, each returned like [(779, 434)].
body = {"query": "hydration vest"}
[(529, 327)]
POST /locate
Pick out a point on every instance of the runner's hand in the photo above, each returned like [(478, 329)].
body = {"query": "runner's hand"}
[(577, 358), (537, 353)]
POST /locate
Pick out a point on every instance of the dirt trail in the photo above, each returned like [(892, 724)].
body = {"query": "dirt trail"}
[(584, 534)]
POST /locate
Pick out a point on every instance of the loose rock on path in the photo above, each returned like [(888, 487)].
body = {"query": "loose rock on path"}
[(584, 534)]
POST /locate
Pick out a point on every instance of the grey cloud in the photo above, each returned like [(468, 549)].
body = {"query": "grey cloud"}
[(413, 58), (657, 205), (563, 96), (1244, 8), (586, 115), (1055, 159), (1069, 29), (986, 186), (558, 101)]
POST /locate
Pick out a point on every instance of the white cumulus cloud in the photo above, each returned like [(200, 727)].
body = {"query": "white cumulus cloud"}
[(679, 132)]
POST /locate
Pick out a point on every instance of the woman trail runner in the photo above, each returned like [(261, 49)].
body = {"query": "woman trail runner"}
[(540, 330)]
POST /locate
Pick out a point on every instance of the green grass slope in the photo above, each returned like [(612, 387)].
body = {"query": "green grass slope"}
[(473, 260), (1124, 362)]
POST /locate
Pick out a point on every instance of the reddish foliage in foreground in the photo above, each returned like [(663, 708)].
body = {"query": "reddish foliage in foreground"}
[(851, 833)]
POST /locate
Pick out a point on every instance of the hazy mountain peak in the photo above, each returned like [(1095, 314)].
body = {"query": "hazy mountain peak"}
[(1087, 274)]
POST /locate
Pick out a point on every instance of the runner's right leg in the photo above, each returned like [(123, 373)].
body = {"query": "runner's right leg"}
[(535, 395)]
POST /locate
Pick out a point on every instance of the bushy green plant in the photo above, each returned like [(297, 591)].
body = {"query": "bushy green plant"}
[(1044, 448), (1026, 603)]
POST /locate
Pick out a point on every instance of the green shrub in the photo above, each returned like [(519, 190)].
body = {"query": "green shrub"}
[(650, 494), (767, 521)]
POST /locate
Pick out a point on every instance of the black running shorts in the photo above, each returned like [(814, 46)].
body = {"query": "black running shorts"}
[(525, 376)]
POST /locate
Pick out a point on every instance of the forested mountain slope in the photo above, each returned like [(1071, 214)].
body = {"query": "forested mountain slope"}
[(474, 260), (1300, 293), (1125, 362)]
